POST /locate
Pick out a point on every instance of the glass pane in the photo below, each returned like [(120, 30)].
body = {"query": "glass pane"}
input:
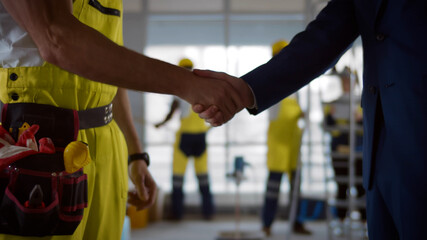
[(185, 30), (287, 6), (263, 29), (174, 6)]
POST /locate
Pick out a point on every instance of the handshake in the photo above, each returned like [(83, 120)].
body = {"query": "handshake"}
[(217, 96)]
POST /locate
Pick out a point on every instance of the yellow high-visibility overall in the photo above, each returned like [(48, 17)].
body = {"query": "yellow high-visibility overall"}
[(191, 123), (107, 173), (283, 142), (284, 137), (190, 142)]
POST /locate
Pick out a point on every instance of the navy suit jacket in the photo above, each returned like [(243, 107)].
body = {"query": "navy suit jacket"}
[(394, 38)]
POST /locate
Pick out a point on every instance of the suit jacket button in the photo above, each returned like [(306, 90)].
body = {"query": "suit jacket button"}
[(372, 89), (380, 37)]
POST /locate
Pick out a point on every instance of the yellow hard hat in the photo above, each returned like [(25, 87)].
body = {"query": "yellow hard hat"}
[(185, 63), (278, 46)]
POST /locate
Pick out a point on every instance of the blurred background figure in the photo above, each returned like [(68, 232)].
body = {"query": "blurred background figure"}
[(337, 119), (190, 142), (283, 142)]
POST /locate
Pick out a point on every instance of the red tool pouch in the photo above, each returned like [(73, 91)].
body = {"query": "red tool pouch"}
[(64, 195)]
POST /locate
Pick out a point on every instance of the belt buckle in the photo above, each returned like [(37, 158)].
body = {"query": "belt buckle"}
[(108, 113)]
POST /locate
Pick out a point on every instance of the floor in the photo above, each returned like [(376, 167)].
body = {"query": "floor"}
[(221, 228)]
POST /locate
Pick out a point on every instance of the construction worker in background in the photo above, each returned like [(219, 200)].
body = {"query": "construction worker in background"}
[(190, 141), (337, 116), (283, 142)]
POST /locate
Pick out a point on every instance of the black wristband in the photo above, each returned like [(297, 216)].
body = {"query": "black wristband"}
[(139, 156)]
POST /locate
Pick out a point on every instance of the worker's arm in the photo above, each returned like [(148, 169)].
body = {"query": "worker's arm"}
[(174, 106), (66, 42), (138, 172)]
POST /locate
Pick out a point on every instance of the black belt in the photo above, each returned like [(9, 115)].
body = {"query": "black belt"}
[(95, 117), (57, 123), (90, 118)]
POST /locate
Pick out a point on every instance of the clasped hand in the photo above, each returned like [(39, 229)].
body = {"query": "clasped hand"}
[(221, 97)]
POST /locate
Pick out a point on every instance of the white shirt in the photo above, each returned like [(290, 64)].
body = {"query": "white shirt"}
[(17, 49)]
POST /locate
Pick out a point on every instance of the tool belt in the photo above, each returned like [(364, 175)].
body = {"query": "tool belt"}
[(64, 195)]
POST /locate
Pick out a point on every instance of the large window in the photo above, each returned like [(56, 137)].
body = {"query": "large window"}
[(201, 39), (233, 39)]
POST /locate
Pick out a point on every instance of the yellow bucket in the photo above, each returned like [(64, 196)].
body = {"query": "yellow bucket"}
[(138, 219)]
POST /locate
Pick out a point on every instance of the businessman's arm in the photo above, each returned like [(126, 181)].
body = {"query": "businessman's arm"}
[(309, 54)]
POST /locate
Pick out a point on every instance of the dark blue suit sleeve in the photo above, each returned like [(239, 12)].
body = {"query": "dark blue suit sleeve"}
[(309, 55)]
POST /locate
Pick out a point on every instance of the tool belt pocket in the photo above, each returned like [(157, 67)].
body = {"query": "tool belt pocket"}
[(58, 211), (37, 196)]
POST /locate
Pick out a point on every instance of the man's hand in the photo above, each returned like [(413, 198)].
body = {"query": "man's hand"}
[(220, 94), (226, 106), (145, 192)]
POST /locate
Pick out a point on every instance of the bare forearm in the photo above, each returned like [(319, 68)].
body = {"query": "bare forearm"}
[(110, 63), (123, 116), (64, 41), (145, 185)]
